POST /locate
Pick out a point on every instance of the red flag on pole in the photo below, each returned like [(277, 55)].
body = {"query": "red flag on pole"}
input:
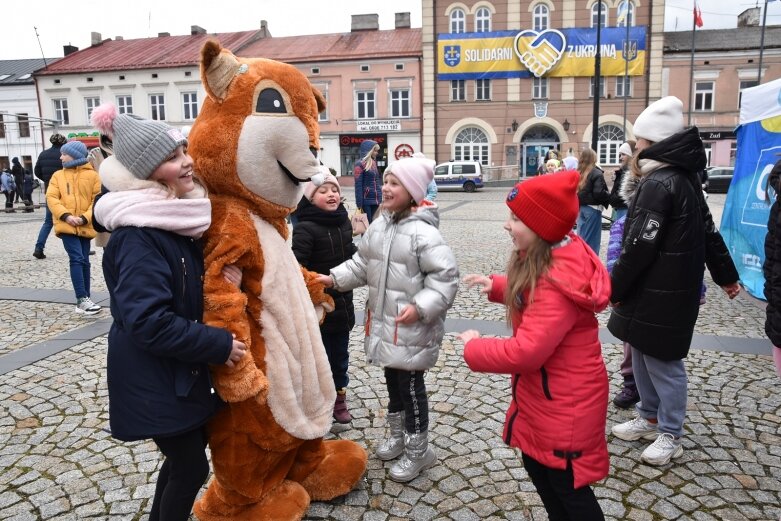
[(697, 15)]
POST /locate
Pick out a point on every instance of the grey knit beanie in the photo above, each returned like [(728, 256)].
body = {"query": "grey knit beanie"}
[(141, 145)]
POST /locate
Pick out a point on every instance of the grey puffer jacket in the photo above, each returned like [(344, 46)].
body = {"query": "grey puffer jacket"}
[(407, 262)]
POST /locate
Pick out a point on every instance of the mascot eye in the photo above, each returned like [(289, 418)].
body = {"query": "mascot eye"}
[(270, 101)]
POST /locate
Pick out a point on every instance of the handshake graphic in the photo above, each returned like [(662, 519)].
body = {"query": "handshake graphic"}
[(540, 52)]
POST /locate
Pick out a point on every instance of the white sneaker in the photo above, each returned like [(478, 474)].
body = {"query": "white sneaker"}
[(86, 306), (665, 448), (635, 429)]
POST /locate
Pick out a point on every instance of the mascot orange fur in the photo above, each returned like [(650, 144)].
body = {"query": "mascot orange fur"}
[(252, 147)]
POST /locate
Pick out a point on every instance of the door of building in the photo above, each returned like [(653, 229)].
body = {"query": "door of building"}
[(533, 155)]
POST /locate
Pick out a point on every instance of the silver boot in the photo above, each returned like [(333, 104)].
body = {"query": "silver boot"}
[(393, 446), (418, 456)]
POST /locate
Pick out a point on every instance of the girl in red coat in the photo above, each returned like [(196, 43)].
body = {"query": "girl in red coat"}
[(554, 285)]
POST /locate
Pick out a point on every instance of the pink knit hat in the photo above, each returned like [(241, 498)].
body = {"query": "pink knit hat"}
[(414, 173), (311, 187)]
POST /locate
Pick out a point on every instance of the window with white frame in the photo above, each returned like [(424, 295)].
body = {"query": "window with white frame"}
[(602, 83), (595, 14), (61, 111), (609, 138), (623, 86), (625, 14), (483, 90), (745, 84), (400, 103), (457, 21), (157, 106), (23, 121), (541, 17), (323, 116), (189, 105), (539, 88), (482, 20), (471, 144), (91, 104), (703, 95), (125, 104), (457, 90), (364, 100)]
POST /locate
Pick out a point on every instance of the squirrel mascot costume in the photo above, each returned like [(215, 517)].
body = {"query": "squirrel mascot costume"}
[(252, 144)]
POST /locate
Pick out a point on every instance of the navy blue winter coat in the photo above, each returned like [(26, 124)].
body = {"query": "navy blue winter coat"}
[(158, 378), (48, 163), (368, 181)]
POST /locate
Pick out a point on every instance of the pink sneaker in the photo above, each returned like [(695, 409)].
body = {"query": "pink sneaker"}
[(341, 414)]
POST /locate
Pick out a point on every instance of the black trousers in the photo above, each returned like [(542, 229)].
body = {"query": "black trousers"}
[(561, 499), (407, 392), (184, 471)]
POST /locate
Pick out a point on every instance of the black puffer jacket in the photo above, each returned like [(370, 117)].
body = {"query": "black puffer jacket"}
[(616, 201), (668, 237), (594, 192), (322, 240), (48, 163), (772, 266)]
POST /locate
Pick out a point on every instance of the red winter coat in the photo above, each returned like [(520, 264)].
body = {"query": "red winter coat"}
[(559, 384)]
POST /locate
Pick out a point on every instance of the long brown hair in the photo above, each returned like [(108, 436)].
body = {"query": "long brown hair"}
[(586, 163), (524, 269)]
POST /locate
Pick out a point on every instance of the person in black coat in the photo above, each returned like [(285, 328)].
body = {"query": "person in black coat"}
[(669, 236), (772, 268), (625, 153), (48, 162), (592, 196), (322, 239), (17, 170), (159, 350)]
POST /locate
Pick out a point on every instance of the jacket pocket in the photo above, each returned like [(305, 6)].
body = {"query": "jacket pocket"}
[(545, 387), (185, 377)]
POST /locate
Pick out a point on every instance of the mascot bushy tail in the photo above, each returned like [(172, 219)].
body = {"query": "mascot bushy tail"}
[(252, 145)]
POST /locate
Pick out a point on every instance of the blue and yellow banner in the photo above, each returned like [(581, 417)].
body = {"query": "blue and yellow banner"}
[(550, 53)]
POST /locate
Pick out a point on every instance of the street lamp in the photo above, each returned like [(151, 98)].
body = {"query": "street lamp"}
[(565, 125)]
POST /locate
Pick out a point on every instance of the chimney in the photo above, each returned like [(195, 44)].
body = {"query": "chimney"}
[(197, 29), (402, 21), (365, 22), (264, 32), (96, 38), (69, 49), (119, 38), (160, 35), (749, 17)]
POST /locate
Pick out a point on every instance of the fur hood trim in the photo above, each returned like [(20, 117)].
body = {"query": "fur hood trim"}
[(628, 188)]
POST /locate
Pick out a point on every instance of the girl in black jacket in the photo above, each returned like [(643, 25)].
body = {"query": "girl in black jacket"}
[(592, 196), (322, 239), (158, 350), (772, 268)]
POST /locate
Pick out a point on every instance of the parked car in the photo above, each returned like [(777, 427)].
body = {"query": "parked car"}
[(464, 175), (719, 179)]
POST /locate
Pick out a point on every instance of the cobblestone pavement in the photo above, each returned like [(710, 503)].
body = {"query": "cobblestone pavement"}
[(57, 462)]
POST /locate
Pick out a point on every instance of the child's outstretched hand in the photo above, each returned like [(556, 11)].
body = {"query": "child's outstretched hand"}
[(325, 280), (238, 350), (468, 335), (474, 279), (408, 315)]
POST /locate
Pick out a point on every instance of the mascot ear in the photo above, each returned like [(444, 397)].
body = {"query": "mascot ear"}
[(320, 100), (218, 67)]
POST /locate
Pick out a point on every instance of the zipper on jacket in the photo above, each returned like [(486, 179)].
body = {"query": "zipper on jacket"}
[(184, 276), (545, 388), (331, 240), (511, 421), (67, 188)]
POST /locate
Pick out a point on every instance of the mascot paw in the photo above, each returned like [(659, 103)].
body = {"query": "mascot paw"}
[(288, 501), (339, 471)]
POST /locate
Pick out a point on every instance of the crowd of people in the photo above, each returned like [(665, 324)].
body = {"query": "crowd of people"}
[(661, 239)]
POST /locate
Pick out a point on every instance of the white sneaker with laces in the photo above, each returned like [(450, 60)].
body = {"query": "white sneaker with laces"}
[(85, 306), (665, 448), (635, 429)]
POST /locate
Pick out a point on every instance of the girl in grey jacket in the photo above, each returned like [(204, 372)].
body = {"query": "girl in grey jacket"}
[(413, 278)]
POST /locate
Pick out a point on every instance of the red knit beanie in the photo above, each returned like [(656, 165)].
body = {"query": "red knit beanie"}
[(548, 204)]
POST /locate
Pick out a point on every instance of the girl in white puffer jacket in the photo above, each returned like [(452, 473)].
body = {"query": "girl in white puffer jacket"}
[(413, 278)]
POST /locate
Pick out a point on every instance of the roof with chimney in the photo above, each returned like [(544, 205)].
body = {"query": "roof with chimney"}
[(716, 40), (19, 72)]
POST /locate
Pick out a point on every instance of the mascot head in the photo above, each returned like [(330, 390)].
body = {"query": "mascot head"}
[(256, 135)]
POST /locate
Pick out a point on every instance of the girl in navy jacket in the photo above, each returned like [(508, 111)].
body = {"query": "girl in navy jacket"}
[(158, 349)]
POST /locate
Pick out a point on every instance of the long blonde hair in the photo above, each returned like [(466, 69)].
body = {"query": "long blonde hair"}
[(586, 163), (368, 161), (524, 269)]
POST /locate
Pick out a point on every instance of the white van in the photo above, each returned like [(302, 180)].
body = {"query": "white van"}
[(463, 175)]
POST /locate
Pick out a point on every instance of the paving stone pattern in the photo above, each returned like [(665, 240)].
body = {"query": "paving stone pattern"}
[(58, 463)]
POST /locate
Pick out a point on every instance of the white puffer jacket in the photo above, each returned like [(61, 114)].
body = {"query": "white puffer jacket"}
[(402, 263)]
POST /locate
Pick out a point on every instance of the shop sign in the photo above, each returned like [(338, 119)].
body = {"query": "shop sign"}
[(403, 150), (378, 125)]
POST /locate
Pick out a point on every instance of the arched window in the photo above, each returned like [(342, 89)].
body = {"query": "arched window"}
[(625, 14), (471, 145), (609, 139), (595, 14), (457, 21), (541, 17), (482, 20)]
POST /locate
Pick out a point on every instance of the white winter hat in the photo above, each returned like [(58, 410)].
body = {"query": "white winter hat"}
[(626, 149), (660, 120)]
